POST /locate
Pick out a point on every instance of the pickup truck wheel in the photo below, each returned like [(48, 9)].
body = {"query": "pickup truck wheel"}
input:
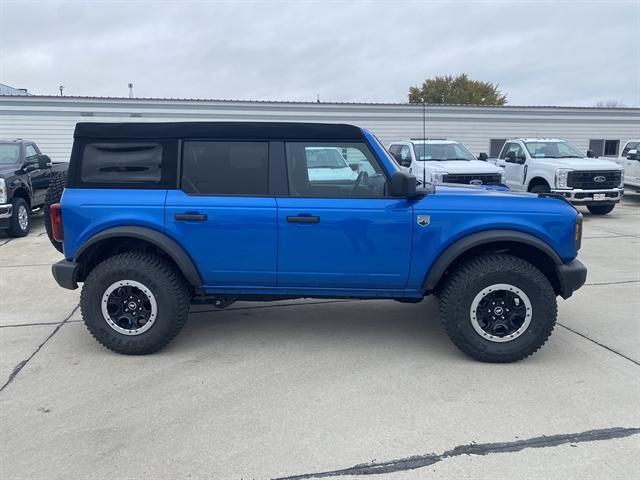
[(20, 221), (498, 308), (540, 189), (600, 209), (135, 303), (54, 194)]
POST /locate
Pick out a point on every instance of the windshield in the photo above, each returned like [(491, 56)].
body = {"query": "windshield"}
[(325, 158), (553, 150), (442, 151), (9, 153)]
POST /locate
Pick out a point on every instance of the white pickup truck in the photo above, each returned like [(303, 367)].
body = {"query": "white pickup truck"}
[(629, 159), (554, 165), (444, 161)]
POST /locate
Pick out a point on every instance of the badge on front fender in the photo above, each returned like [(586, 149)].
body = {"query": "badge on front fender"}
[(423, 220)]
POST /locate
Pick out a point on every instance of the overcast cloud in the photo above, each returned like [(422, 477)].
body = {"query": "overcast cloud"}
[(541, 53)]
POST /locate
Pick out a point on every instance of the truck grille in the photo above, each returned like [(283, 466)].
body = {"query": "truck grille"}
[(486, 179), (594, 180)]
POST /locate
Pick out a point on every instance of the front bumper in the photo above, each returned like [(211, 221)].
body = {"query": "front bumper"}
[(571, 277), (6, 210), (585, 197), (65, 274)]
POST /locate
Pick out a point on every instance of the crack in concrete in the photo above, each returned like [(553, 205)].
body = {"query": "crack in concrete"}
[(599, 344), (5, 242), (611, 283), (420, 461), (21, 365), (27, 265), (36, 324)]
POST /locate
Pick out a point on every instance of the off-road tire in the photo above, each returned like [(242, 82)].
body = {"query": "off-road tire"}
[(470, 278), (600, 209), (161, 277), (15, 230), (54, 194), (542, 188)]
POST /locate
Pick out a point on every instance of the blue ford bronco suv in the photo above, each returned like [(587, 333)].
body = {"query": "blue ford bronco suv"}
[(158, 216)]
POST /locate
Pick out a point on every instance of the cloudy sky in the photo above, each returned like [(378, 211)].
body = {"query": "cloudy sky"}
[(541, 52)]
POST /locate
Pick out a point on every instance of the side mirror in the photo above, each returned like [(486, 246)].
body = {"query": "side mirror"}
[(44, 161), (404, 162), (512, 158), (483, 156), (590, 154), (633, 155), (403, 185)]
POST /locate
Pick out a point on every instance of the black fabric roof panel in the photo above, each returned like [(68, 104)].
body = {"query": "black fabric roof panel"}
[(222, 130)]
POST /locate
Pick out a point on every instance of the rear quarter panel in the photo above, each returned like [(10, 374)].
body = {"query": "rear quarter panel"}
[(88, 211)]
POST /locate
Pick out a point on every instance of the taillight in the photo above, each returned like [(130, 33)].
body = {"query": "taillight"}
[(55, 212)]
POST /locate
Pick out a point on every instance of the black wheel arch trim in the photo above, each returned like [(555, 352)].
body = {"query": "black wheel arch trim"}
[(161, 240), (446, 258)]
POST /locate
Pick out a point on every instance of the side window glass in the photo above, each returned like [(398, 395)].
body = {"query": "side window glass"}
[(405, 153), (393, 149), (333, 170), (630, 146), (507, 147), (225, 168), (120, 163), (30, 152), (516, 148)]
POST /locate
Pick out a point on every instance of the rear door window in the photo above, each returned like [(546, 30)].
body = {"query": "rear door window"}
[(225, 168), (122, 163)]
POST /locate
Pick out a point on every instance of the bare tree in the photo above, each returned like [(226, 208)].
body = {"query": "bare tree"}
[(609, 104)]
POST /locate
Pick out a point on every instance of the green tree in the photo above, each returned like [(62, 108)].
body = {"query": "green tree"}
[(457, 90)]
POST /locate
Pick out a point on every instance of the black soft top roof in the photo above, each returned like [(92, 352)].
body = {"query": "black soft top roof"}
[(220, 130)]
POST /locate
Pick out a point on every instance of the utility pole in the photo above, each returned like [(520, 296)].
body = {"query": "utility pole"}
[(61, 87), (130, 90)]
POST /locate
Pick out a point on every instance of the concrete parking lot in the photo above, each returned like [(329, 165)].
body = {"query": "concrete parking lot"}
[(322, 389)]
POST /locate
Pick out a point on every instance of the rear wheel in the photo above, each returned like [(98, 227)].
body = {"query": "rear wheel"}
[(498, 308), (20, 221), (54, 194), (600, 209), (135, 303)]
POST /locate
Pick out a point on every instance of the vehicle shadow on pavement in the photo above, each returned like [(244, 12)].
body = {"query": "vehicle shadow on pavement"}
[(315, 323)]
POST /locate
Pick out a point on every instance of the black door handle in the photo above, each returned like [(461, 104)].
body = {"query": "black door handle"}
[(303, 219), (191, 217)]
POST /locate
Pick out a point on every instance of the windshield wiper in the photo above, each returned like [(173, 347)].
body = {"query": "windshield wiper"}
[(458, 158)]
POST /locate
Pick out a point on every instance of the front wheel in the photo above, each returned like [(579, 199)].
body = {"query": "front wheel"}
[(600, 209), (20, 221), (135, 303), (498, 308)]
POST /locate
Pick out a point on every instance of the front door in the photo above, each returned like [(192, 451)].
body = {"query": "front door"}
[(341, 233), (223, 215), (514, 172), (40, 177)]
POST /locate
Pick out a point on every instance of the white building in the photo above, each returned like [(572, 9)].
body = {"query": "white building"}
[(50, 120)]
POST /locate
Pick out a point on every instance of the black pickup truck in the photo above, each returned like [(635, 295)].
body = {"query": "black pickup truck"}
[(25, 175)]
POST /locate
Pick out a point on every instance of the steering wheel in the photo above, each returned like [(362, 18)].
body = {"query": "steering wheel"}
[(362, 180)]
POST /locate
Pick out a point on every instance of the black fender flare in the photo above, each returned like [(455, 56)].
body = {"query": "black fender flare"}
[(446, 258), (172, 248)]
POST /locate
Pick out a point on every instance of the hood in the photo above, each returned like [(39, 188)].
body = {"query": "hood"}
[(451, 189), (463, 166), (579, 163), (7, 170)]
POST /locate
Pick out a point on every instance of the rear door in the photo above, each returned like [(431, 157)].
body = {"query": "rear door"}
[(341, 234), (223, 214)]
